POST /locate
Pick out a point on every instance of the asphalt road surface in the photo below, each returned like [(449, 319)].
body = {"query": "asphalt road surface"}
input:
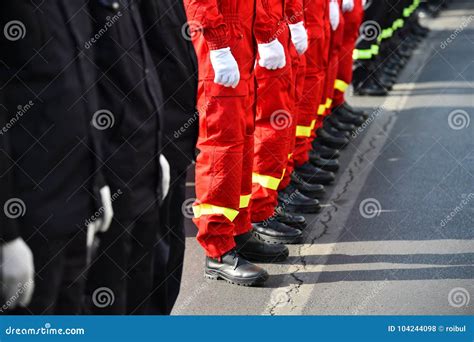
[(396, 232)]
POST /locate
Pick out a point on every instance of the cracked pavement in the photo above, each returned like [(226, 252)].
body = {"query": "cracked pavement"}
[(382, 244)]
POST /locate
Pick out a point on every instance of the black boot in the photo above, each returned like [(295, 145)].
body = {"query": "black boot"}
[(311, 190), (334, 131), (336, 123), (345, 116), (355, 111), (253, 249), (312, 174), (295, 221), (370, 88), (330, 140), (235, 269), (272, 231), (295, 202), (325, 164), (323, 152)]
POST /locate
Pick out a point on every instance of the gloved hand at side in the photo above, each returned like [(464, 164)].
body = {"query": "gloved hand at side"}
[(334, 13), (226, 69), (347, 5), (17, 273), (299, 37), (272, 55), (165, 176)]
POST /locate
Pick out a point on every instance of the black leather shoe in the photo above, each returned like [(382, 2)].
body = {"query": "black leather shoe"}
[(295, 221), (386, 81), (334, 131), (370, 88), (325, 164), (321, 151), (235, 269), (312, 174), (355, 111), (272, 231), (347, 117), (330, 140), (334, 121), (253, 249), (295, 202), (310, 190)]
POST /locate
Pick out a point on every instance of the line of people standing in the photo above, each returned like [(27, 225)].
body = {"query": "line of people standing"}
[(272, 78), (101, 102), (93, 176)]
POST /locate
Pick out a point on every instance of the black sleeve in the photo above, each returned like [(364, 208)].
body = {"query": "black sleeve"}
[(8, 226)]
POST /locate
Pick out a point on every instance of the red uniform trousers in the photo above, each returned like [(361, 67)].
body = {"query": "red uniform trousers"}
[(226, 125), (273, 128), (333, 67), (352, 22), (314, 79), (298, 67)]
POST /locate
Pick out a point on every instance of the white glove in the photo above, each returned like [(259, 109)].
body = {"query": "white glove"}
[(272, 55), (299, 37), (165, 176), (334, 14), (225, 67), (347, 5), (103, 224), (18, 272)]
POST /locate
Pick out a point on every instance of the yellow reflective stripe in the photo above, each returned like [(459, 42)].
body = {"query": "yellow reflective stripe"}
[(305, 131), (328, 103), (209, 209), (268, 182), (321, 109), (362, 54), (244, 201), (341, 85), (375, 49), (290, 155)]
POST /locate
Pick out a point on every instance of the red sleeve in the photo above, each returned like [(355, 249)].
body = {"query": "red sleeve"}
[(294, 11), (267, 23), (204, 16)]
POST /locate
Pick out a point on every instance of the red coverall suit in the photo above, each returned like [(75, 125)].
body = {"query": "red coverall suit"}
[(274, 124), (315, 65), (226, 119), (352, 22), (334, 52)]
